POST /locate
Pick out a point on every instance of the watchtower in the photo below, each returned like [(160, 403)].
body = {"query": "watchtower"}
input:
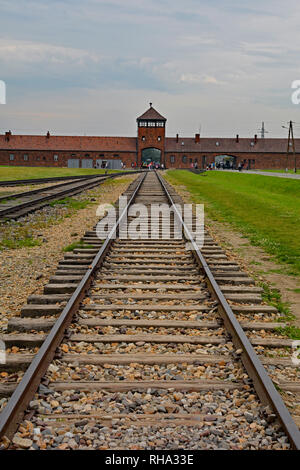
[(151, 137)]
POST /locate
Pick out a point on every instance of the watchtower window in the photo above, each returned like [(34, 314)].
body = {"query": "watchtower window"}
[(151, 123)]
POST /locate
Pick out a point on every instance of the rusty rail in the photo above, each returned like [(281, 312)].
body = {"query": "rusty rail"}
[(261, 381)]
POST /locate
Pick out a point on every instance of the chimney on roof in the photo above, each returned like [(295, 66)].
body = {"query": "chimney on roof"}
[(255, 139), (48, 135), (150, 105), (197, 138), (177, 138), (237, 138), (7, 135)]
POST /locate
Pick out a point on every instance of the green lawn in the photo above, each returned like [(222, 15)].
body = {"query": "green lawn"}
[(265, 208), (23, 172)]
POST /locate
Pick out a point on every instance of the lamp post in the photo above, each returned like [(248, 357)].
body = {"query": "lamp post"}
[(292, 140)]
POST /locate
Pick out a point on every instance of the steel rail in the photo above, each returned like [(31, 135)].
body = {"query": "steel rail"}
[(41, 190), (14, 410), (261, 380), (25, 182)]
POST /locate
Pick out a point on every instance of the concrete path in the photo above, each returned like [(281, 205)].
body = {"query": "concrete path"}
[(292, 176)]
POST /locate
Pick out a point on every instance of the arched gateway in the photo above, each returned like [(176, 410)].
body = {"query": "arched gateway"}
[(228, 161), (151, 155)]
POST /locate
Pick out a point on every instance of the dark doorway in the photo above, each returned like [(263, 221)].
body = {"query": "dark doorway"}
[(151, 155), (226, 161)]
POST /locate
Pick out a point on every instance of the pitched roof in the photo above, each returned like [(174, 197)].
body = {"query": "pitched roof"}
[(68, 143), (227, 145), (151, 113)]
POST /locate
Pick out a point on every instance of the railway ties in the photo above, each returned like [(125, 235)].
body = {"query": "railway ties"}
[(147, 356)]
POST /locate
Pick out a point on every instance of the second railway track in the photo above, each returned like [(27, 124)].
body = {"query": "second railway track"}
[(140, 348), (21, 204)]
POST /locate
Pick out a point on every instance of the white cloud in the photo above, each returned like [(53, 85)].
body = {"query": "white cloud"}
[(14, 51), (198, 78), (196, 40)]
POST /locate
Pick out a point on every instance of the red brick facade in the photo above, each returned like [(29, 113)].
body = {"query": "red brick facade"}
[(150, 137), (48, 150)]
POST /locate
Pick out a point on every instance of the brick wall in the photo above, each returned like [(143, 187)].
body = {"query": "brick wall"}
[(149, 137), (46, 158), (257, 160)]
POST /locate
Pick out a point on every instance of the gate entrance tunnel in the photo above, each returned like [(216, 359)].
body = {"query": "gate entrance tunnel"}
[(151, 155), (225, 161)]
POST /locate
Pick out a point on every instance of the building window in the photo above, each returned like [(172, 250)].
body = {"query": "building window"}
[(116, 155), (44, 158), (160, 124), (143, 138), (101, 155), (11, 157), (25, 157), (159, 138), (184, 159), (38, 158), (87, 155), (151, 124), (172, 158), (55, 157), (191, 160), (73, 154), (217, 144)]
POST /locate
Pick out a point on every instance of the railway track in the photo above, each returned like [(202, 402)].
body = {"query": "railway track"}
[(134, 345), (25, 182), (21, 204)]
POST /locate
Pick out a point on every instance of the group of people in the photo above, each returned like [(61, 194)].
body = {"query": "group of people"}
[(194, 166), (224, 165), (153, 166)]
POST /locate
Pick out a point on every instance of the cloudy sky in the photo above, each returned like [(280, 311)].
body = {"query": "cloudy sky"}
[(90, 67)]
